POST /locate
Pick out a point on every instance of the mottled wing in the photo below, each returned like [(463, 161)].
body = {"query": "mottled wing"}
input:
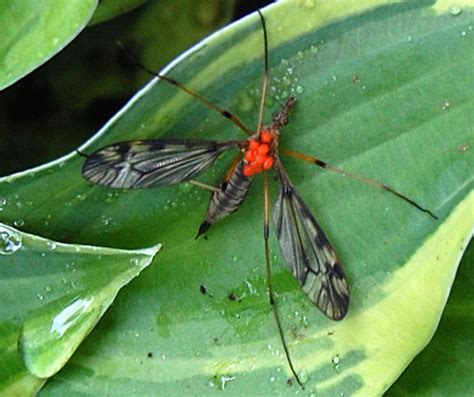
[(308, 252), (151, 163)]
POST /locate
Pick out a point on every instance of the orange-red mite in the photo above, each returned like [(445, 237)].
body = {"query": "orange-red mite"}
[(258, 156)]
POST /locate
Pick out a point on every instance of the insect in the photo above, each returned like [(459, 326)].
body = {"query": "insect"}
[(306, 250)]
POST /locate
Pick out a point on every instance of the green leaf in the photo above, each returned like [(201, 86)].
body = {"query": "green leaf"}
[(108, 9), (52, 296), (33, 31), (383, 89), (445, 366)]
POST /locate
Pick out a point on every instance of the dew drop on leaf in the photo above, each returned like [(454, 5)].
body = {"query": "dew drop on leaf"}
[(10, 241), (19, 222), (455, 10), (303, 376)]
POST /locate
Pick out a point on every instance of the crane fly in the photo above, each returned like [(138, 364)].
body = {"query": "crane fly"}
[(305, 248)]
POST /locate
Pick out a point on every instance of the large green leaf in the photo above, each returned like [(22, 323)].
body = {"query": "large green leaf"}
[(33, 31), (384, 89), (52, 296), (445, 367)]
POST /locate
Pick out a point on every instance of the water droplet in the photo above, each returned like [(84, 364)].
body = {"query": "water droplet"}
[(19, 204), (235, 259), (313, 49), (299, 89), (19, 222), (272, 379), (313, 394), (48, 288), (336, 359), (134, 262), (70, 316), (303, 376), (106, 221), (51, 245), (10, 241), (463, 33), (455, 10), (286, 81), (55, 40), (409, 38), (284, 94), (39, 297), (464, 147), (446, 105), (3, 201)]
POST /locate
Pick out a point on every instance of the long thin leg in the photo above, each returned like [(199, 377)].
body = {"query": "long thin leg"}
[(203, 185), (203, 100), (227, 176), (268, 267), (265, 74), (372, 182)]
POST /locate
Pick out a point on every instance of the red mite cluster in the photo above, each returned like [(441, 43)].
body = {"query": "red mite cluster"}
[(258, 155)]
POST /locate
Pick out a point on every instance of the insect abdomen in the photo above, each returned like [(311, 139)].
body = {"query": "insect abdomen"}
[(228, 198)]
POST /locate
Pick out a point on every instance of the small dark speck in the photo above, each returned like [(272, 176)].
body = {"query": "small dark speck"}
[(356, 79), (232, 297), (203, 289), (331, 333), (205, 237), (149, 355), (290, 382)]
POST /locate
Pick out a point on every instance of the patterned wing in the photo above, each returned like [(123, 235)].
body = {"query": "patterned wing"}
[(308, 252), (151, 163)]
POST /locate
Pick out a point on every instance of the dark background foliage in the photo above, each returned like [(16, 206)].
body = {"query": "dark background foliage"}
[(59, 105)]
